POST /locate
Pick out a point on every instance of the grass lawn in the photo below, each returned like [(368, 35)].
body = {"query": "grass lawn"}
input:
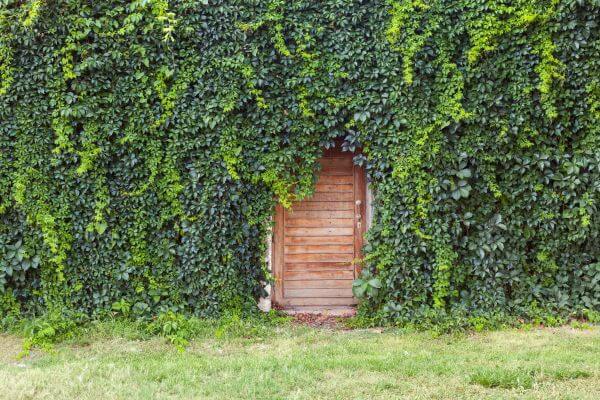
[(307, 363)]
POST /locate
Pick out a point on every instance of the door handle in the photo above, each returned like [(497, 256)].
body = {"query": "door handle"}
[(358, 203)]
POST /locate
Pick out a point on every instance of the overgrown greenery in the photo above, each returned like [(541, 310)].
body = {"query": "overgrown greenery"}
[(145, 143)]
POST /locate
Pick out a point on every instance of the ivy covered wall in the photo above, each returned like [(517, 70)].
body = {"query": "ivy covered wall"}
[(144, 144)]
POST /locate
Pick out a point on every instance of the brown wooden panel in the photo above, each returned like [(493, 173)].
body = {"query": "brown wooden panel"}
[(338, 162), (336, 179), (319, 284), (327, 188), (321, 292), (304, 275), (319, 223), (334, 170), (323, 205), (342, 196), (290, 258), (318, 231), (317, 248), (337, 151), (331, 214), (319, 240), (318, 266), (360, 203), (278, 239), (320, 301)]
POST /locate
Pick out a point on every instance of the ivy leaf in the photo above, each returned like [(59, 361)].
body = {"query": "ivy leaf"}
[(374, 282), (464, 173), (101, 227), (464, 191), (481, 253)]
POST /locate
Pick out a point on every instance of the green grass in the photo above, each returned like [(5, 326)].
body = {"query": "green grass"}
[(116, 361)]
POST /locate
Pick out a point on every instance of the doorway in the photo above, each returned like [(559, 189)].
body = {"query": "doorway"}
[(317, 241)]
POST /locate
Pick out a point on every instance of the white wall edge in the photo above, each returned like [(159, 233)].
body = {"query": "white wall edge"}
[(265, 303)]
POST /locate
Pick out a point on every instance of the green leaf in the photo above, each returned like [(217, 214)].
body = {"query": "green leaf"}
[(464, 173), (374, 282), (101, 227)]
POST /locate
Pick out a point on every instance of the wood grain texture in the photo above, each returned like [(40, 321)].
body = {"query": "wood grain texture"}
[(336, 179), (319, 231), (305, 275), (302, 240), (332, 171), (319, 214), (320, 292), (333, 188), (318, 266), (360, 201), (318, 257), (318, 301), (317, 238), (278, 261), (319, 223), (319, 284), (328, 196), (319, 248), (342, 162), (322, 205)]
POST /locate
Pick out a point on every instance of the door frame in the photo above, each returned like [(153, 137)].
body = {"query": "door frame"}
[(360, 227)]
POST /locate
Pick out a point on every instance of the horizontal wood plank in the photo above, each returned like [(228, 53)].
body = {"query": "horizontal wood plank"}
[(320, 284), (336, 179), (290, 258), (318, 248), (328, 188), (322, 206), (319, 223), (330, 214), (304, 275), (319, 301), (319, 266), (319, 231), (335, 170), (321, 292), (304, 240), (341, 196), (338, 162)]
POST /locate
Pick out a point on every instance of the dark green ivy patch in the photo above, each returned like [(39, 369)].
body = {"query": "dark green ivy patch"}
[(145, 143)]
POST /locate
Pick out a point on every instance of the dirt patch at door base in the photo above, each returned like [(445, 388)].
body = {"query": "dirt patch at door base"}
[(315, 320)]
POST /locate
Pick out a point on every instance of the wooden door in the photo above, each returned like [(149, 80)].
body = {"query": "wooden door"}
[(317, 240)]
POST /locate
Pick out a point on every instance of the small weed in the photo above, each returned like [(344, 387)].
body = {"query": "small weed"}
[(591, 316), (522, 378), (234, 325), (175, 327), (504, 378), (575, 324), (48, 330), (563, 375), (360, 322)]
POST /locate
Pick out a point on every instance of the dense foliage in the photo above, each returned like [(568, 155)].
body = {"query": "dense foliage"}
[(145, 143)]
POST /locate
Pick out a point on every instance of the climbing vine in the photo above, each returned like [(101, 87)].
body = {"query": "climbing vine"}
[(145, 144)]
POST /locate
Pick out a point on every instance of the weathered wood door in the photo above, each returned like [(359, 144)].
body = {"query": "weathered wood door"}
[(316, 242)]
